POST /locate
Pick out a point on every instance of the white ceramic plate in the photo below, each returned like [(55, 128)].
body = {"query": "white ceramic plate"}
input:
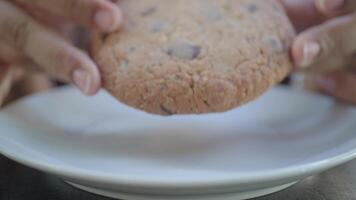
[(107, 148)]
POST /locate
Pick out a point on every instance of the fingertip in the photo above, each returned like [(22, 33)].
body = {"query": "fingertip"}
[(85, 82), (108, 17), (329, 6), (96, 85), (305, 51), (320, 5), (297, 53), (303, 13), (87, 78)]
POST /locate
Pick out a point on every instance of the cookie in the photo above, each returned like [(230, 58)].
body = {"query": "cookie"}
[(194, 56)]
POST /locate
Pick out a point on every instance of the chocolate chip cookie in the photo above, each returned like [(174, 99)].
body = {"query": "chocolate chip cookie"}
[(194, 56)]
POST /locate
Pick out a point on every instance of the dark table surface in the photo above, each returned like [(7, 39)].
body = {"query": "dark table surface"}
[(18, 182)]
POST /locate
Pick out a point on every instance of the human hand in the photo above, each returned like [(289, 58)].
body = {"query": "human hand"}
[(7, 76), (326, 45), (34, 33)]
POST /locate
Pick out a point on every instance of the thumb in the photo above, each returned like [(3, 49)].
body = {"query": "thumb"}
[(303, 13)]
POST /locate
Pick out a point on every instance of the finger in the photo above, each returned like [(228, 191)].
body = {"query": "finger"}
[(326, 46), (9, 54), (6, 79), (29, 84), (101, 14), (303, 13), (48, 50), (335, 7), (341, 84)]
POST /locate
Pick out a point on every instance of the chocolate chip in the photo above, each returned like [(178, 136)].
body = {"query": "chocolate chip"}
[(159, 26), (183, 50), (165, 110), (104, 36), (178, 77), (124, 63), (274, 43), (131, 50), (163, 88), (149, 11), (252, 8)]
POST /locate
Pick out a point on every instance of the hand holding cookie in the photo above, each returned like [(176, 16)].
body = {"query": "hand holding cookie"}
[(33, 33), (326, 45)]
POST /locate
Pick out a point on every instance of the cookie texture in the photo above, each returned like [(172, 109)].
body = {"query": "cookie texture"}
[(194, 56)]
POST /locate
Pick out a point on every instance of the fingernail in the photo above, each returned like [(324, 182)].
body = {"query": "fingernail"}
[(105, 20), (81, 79), (326, 83), (311, 51), (331, 5)]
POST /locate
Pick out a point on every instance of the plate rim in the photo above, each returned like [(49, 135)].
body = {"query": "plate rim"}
[(232, 179)]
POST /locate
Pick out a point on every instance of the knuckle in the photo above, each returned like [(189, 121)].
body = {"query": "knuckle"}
[(17, 32), (332, 35), (76, 7), (9, 54), (341, 32), (68, 60), (329, 42), (332, 41)]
